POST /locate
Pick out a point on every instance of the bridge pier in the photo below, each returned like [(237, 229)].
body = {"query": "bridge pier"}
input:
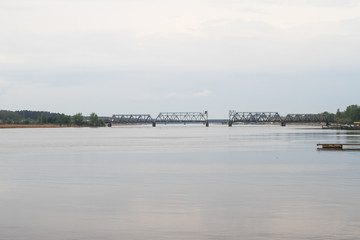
[(230, 123), (154, 124), (109, 124), (207, 124), (283, 124)]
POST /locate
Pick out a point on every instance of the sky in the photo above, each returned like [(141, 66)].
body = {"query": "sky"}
[(136, 56)]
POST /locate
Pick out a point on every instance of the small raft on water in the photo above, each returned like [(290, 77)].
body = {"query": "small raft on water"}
[(336, 145)]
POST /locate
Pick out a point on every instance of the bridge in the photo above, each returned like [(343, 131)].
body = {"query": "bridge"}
[(183, 117), (202, 117), (307, 118), (253, 117), (274, 117), (163, 117), (131, 119)]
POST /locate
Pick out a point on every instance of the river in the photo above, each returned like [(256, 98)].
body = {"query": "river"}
[(178, 182)]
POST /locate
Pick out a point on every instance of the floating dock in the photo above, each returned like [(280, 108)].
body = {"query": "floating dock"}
[(336, 145)]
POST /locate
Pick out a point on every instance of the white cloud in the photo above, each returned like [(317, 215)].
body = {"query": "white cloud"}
[(204, 93), (200, 34)]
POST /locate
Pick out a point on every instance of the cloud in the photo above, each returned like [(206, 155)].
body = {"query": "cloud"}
[(204, 93), (151, 55)]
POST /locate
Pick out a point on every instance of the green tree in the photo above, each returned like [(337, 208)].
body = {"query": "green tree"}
[(94, 120), (9, 116), (330, 116), (352, 112), (102, 123), (26, 121), (42, 119), (64, 119), (78, 119), (350, 115)]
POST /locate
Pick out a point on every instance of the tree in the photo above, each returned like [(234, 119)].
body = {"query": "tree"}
[(330, 116), (78, 119), (6, 115), (26, 121), (350, 115), (42, 119), (64, 119), (94, 120), (353, 113)]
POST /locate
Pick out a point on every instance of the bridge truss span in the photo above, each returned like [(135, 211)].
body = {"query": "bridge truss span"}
[(182, 117), (163, 117), (132, 119), (306, 118), (254, 117), (273, 117)]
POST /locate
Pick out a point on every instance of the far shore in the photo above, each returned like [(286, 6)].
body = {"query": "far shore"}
[(66, 126), (31, 126)]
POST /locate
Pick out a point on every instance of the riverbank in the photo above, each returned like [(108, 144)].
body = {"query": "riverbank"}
[(31, 126)]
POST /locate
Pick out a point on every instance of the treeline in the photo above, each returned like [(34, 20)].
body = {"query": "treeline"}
[(349, 116), (41, 117)]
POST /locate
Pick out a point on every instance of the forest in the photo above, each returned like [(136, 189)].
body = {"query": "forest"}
[(43, 117)]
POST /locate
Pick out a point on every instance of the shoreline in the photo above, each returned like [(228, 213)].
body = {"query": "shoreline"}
[(32, 126), (5, 126)]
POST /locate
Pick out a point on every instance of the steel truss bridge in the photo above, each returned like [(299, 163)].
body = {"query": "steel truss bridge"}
[(254, 117), (131, 118), (182, 117), (163, 117), (274, 117), (306, 118), (202, 117)]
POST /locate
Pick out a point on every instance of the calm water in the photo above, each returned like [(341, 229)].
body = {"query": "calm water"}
[(178, 182)]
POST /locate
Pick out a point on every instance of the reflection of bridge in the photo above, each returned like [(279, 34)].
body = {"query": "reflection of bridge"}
[(274, 117), (202, 117)]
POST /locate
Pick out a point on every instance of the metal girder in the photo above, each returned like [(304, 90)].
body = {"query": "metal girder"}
[(182, 117), (132, 118), (254, 117), (306, 118)]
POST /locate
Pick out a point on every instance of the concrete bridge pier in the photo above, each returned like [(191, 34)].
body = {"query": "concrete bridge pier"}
[(230, 123), (154, 124), (283, 124), (207, 124)]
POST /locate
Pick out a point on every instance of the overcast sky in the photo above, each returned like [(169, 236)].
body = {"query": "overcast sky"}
[(137, 56)]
